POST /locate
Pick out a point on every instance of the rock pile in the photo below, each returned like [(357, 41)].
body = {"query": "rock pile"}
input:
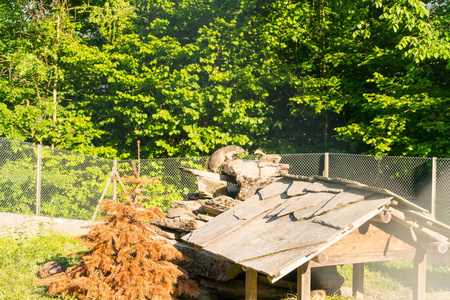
[(217, 193)]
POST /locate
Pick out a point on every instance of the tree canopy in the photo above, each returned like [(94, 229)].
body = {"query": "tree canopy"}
[(187, 77)]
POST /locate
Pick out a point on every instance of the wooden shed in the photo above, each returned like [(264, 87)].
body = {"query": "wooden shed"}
[(301, 223)]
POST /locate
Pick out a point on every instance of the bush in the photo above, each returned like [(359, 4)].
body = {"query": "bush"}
[(126, 260)]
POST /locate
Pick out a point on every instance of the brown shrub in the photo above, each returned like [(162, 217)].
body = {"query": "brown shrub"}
[(126, 260)]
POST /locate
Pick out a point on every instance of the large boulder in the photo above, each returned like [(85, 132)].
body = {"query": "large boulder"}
[(185, 209), (250, 185), (51, 268), (180, 223)]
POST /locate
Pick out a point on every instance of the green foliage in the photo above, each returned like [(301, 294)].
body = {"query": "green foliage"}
[(186, 77)]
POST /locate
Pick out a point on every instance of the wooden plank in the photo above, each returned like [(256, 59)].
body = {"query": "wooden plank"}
[(307, 213), (346, 197), (358, 281), (277, 265), (277, 188), (251, 284), (325, 187), (298, 188), (378, 190), (346, 216), (420, 275), (262, 237), (305, 201), (230, 220), (304, 282), (374, 245), (336, 180), (282, 206)]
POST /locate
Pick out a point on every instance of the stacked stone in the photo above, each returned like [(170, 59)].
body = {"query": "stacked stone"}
[(216, 194)]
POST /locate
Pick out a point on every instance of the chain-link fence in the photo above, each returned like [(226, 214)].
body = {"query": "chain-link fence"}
[(51, 182)]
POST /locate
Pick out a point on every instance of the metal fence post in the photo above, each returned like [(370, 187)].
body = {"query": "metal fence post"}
[(326, 165), (433, 186), (38, 181)]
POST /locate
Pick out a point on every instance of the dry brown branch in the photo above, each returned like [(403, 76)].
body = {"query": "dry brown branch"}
[(126, 260)]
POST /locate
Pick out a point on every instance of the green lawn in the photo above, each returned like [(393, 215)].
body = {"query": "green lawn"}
[(21, 256), (394, 280)]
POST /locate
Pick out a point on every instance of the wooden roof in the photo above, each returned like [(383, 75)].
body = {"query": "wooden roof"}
[(292, 220)]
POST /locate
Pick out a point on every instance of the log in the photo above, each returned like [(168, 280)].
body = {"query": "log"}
[(235, 289), (436, 225), (382, 217), (205, 264), (321, 258), (440, 247), (400, 218)]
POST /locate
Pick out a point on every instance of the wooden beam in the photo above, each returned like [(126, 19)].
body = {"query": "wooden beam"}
[(358, 280), (251, 284), (417, 228), (304, 282), (420, 274)]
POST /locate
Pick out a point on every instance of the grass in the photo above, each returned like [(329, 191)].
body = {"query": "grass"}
[(394, 280), (21, 256)]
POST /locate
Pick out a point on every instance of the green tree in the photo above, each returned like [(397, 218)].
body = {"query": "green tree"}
[(36, 103), (383, 68), (186, 77)]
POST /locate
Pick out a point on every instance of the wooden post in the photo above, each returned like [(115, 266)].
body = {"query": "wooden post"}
[(420, 274), (115, 181), (304, 282), (251, 284), (358, 280)]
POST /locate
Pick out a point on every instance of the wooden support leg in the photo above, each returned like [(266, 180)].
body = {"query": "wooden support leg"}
[(304, 282), (420, 274), (251, 284), (358, 281)]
